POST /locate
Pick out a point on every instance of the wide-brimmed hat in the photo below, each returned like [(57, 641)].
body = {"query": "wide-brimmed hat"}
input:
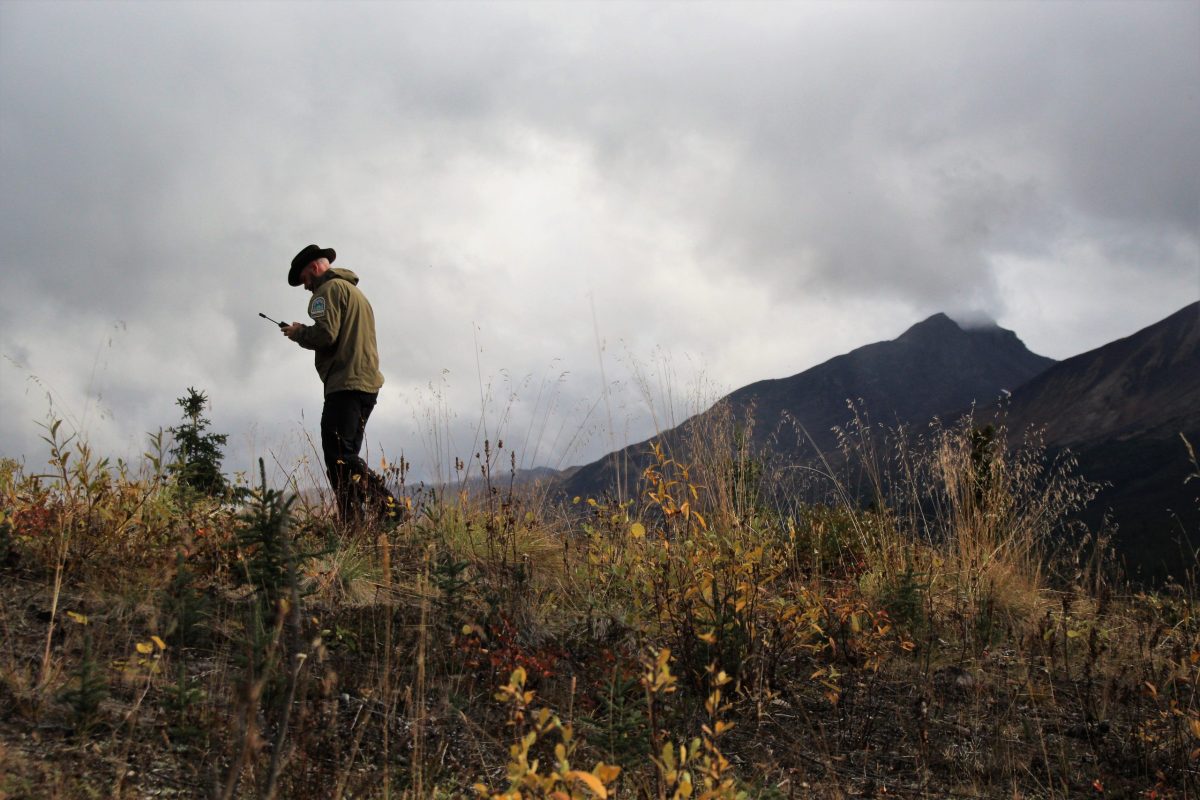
[(304, 258)]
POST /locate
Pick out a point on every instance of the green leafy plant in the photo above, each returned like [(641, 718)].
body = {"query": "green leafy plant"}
[(527, 775)]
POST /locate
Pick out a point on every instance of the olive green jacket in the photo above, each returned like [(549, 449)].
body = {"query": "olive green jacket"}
[(342, 334)]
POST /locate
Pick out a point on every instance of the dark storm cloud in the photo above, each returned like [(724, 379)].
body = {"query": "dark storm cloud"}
[(887, 152)]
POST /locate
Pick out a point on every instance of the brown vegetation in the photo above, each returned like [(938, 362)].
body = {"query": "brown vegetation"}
[(713, 636)]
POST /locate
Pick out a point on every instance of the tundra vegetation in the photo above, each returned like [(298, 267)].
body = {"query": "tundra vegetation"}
[(915, 618)]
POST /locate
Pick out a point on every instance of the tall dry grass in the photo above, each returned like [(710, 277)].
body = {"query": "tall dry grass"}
[(718, 632)]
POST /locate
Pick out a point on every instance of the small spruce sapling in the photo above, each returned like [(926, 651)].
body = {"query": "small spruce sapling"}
[(197, 453), (90, 689)]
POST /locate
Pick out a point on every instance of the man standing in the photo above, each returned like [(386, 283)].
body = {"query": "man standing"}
[(347, 359)]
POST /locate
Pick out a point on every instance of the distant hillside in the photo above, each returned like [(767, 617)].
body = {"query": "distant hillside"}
[(934, 367), (1121, 409), (1148, 382)]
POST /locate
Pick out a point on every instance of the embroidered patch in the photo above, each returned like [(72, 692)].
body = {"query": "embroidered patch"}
[(317, 309)]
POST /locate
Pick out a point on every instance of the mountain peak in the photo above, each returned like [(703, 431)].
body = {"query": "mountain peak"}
[(937, 325), (936, 367), (941, 328)]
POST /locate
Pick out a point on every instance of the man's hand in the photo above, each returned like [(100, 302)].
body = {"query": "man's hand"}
[(292, 331)]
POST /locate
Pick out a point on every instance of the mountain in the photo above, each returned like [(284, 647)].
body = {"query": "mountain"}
[(934, 367), (1121, 409), (1146, 383)]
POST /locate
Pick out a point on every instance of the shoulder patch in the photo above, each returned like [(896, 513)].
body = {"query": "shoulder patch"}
[(317, 308)]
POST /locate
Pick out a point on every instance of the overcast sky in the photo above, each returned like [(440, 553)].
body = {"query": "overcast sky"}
[(575, 222)]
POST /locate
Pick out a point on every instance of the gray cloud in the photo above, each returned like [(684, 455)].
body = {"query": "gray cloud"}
[(532, 192)]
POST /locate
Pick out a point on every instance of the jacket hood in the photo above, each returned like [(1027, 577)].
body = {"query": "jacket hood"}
[(344, 274)]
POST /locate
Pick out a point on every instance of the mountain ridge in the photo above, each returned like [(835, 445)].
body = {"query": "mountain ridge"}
[(1120, 409), (1149, 379), (934, 366)]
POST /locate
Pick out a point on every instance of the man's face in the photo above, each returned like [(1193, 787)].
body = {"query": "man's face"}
[(308, 275)]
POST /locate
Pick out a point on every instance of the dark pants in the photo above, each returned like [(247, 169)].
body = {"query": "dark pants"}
[(343, 423)]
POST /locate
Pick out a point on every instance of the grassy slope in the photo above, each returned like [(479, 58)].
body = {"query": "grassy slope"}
[(711, 636)]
